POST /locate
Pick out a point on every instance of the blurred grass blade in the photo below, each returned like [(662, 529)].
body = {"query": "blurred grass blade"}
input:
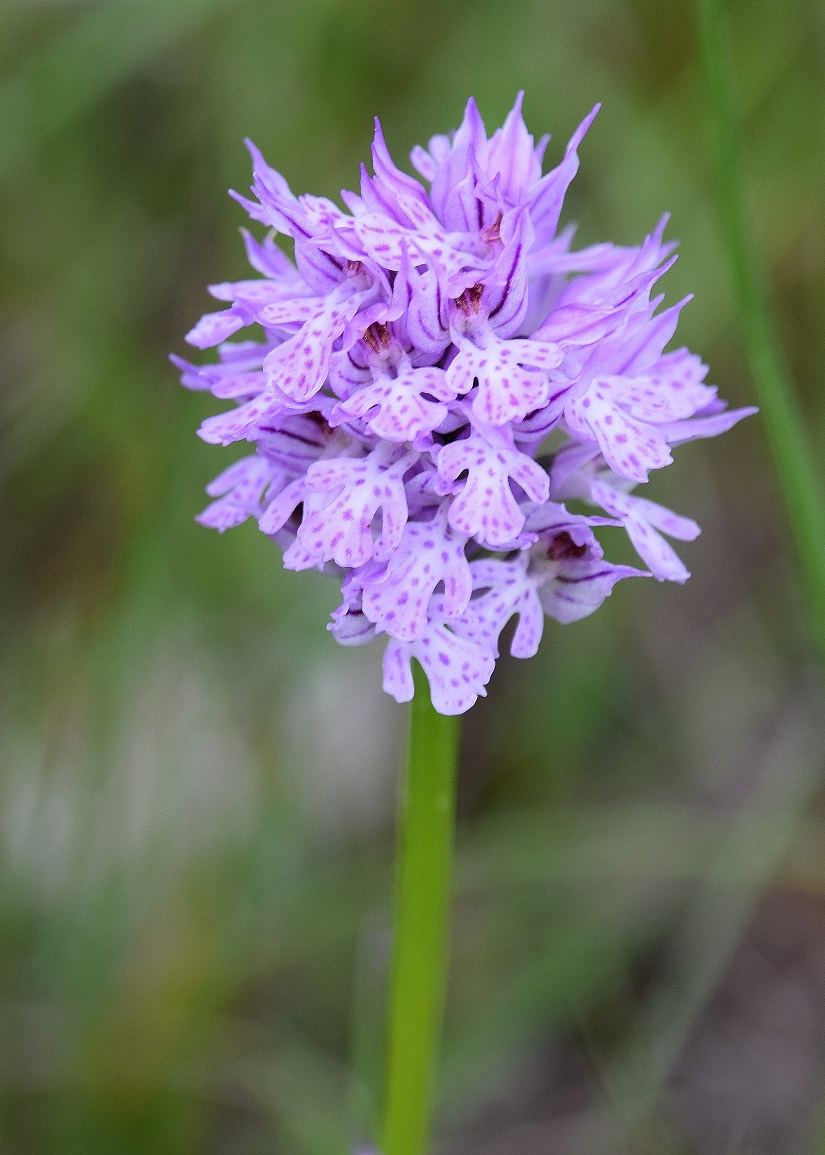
[(784, 422)]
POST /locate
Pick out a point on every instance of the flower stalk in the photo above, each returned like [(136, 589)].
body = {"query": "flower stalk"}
[(422, 902)]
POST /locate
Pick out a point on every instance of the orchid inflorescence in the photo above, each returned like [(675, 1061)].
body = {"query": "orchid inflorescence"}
[(415, 358)]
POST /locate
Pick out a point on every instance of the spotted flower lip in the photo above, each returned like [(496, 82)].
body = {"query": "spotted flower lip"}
[(416, 354)]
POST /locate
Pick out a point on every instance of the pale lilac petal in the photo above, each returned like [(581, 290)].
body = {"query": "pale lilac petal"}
[(268, 259), (319, 269), (419, 295), (397, 182), (454, 157), (678, 376), (240, 473), (240, 423), (548, 195), (473, 204), (296, 442), (511, 590), (213, 328), (622, 504), (238, 385), (575, 595), (296, 311), (279, 511), (630, 448), (639, 351), (299, 366), (507, 288), (423, 163), (665, 564), (297, 558), (538, 425), (642, 519), (528, 633), (191, 376), (351, 628), (384, 241), (456, 668), (398, 679), (583, 318), (349, 370), (237, 355), (696, 427), (573, 458), (511, 154), (552, 518)]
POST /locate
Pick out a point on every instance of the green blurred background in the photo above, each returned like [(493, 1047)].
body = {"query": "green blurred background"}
[(197, 785)]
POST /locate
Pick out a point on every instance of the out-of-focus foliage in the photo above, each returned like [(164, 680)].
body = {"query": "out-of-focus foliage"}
[(197, 784)]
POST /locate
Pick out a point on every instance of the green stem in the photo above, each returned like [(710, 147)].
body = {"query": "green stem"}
[(421, 920), (784, 423)]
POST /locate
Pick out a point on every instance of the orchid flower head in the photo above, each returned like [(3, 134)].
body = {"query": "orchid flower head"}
[(415, 355)]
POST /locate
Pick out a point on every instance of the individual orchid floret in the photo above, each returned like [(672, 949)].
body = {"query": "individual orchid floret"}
[(579, 472), (430, 555), (240, 490), (510, 376), (398, 390), (398, 401), (563, 575), (360, 491), (458, 669), (485, 507)]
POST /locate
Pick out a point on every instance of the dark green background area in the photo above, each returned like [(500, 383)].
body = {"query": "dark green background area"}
[(197, 785)]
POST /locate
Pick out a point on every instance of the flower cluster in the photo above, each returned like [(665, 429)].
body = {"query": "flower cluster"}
[(408, 369)]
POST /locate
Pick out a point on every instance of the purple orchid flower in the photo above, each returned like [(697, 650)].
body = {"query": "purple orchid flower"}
[(415, 356)]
